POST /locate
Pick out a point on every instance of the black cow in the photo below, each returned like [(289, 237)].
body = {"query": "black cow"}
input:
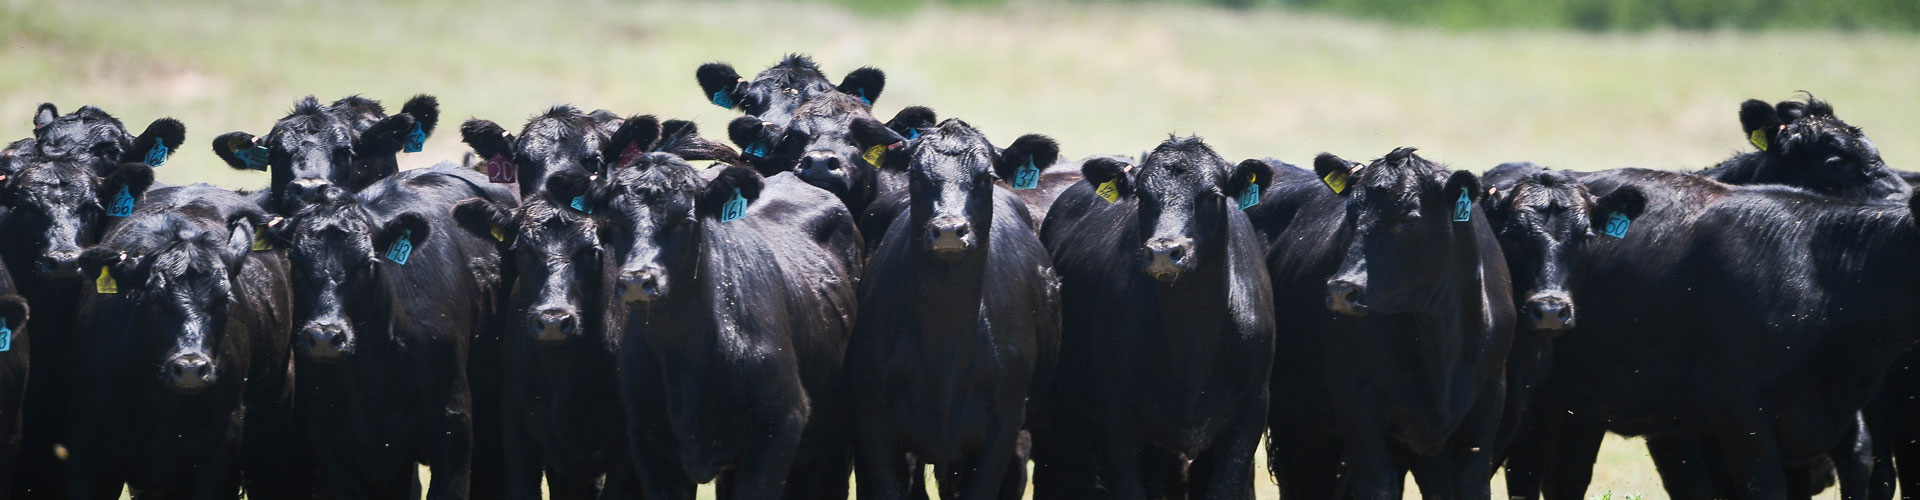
[(832, 142), (350, 144), (960, 319), (1167, 327), (91, 137), (15, 356), (1037, 185), (740, 299), (388, 292), (561, 139), (775, 95), (186, 328), (560, 406), (1406, 372), (1805, 145)]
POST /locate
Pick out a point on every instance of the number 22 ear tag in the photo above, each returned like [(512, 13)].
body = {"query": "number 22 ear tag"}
[(402, 248), (735, 208), (1617, 225), (1463, 207), (1027, 177)]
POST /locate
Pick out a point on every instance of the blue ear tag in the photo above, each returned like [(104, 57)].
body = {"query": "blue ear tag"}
[(1617, 225), (415, 139), (735, 208), (1027, 177), (757, 150), (1463, 207), (863, 96), (913, 133), (1250, 196), (402, 248), (580, 203), (255, 157), (723, 100), (157, 155), (122, 203), (6, 336)]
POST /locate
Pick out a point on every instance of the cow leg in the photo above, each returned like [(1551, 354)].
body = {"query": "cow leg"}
[(762, 473), (1013, 485), (1570, 466), (1122, 473), (1369, 465), (1879, 434), (571, 487), (882, 469), (987, 468), (620, 483), (1906, 454), (1684, 467), (1305, 465), (1226, 468), (453, 451), (1162, 473), (1526, 455), (522, 465), (1853, 460), (1753, 457), (1065, 456)]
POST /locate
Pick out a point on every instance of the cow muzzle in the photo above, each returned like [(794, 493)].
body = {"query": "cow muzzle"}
[(1168, 257), (555, 325), (1551, 313), (949, 237), (189, 373), (324, 343), (643, 285), (823, 169), (307, 189), (58, 264), (1345, 297)]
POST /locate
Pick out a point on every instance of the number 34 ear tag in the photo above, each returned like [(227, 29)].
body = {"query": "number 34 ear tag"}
[(1463, 207), (402, 248), (734, 208)]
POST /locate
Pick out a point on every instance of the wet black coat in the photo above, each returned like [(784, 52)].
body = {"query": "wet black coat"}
[(14, 363), (351, 144)]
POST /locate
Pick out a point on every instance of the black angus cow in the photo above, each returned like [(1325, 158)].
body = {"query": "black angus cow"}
[(54, 209), (560, 408), (351, 143), (1406, 372), (15, 356), (187, 328), (1167, 328), (1037, 185), (1682, 337), (561, 139), (959, 323), (774, 96), (388, 292), (91, 137), (739, 295), (832, 142), (1803, 144)]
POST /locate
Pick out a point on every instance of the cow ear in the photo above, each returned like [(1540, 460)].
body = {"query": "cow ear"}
[(750, 134), (1101, 170), (486, 138), (240, 240), (45, 115), (734, 179), (1625, 200), (134, 177), (93, 259), (425, 110), (162, 138), (864, 83), (1252, 172), (228, 144), (565, 185), (868, 132), (1334, 171), (908, 122), (13, 310), (1761, 123), (412, 225), (486, 219), (1462, 184), (1031, 149), (637, 136), (720, 84), (386, 136)]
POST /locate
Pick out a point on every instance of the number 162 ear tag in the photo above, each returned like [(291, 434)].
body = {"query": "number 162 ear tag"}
[(734, 208)]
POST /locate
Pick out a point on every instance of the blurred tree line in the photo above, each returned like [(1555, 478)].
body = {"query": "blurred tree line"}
[(1593, 15)]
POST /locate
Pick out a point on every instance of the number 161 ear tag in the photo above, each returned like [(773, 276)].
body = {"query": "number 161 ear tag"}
[(1617, 225), (1463, 207), (734, 208), (402, 248)]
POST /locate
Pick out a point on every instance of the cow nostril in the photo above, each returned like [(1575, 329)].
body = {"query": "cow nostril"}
[(1177, 253), (567, 325)]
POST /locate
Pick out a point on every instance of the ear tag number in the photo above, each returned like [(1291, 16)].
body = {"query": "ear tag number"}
[(401, 249), (122, 203), (1337, 180), (875, 155), (1758, 138), (416, 139), (1027, 177), (723, 100), (6, 336), (158, 155), (1617, 225), (499, 235), (1250, 196), (500, 171), (254, 157), (1463, 207), (756, 150), (913, 133), (862, 94), (105, 283), (580, 203), (735, 208), (260, 242), (1109, 190)]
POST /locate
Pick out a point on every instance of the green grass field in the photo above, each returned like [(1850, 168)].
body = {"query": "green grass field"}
[(1105, 78)]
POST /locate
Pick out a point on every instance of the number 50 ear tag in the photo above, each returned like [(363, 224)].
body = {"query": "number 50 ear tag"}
[(402, 249), (1463, 207), (1617, 225), (735, 208)]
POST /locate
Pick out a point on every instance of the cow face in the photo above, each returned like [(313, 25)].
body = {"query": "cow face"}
[(64, 206), (1182, 189), (350, 143), (1805, 145), (951, 173), (656, 209), (337, 250), (1544, 222), (557, 253), (1405, 213), (176, 270), (96, 139), (561, 140), (775, 94)]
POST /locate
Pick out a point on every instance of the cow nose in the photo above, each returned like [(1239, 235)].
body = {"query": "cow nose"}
[(949, 236), (307, 188), (59, 264), (189, 373), (1550, 313), (1343, 296), (644, 285), (1168, 257), (555, 325), (820, 163), (325, 343)]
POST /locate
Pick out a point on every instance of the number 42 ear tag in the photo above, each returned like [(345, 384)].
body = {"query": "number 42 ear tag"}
[(402, 248), (1463, 207), (734, 208), (1617, 224)]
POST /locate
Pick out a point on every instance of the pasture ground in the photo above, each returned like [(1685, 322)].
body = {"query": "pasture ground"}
[(1103, 78)]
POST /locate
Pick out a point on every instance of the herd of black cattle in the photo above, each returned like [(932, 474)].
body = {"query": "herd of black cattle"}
[(626, 310)]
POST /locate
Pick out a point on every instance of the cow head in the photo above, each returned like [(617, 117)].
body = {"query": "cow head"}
[(775, 94), (337, 250), (1544, 222), (1805, 145), (351, 143), (175, 270), (96, 139), (1182, 190), (561, 140), (1406, 215), (557, 253), (656, 211), (58, 208), (950, 183)]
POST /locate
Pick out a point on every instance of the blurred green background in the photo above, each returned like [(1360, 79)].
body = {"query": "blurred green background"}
[(1579, 84)]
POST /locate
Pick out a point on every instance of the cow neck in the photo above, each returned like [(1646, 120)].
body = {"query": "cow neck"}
[(377, 318), (1198, 301), (947, 296), (1879, 269), (686, 318)]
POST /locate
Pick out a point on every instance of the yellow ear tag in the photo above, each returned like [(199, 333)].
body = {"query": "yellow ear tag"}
[(260, 239), (499, 235), (1337, 180), (1108, 190), (875, 154), (1758, 138), (105, 283)]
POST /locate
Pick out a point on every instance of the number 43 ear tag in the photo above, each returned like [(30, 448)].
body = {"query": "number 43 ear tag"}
[(1617, 224), (402, 248), (735, 208), (1463, 207)]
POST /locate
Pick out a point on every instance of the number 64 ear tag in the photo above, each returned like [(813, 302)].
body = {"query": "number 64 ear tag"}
[(1463, 207), (735, 208), (402, 248)]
